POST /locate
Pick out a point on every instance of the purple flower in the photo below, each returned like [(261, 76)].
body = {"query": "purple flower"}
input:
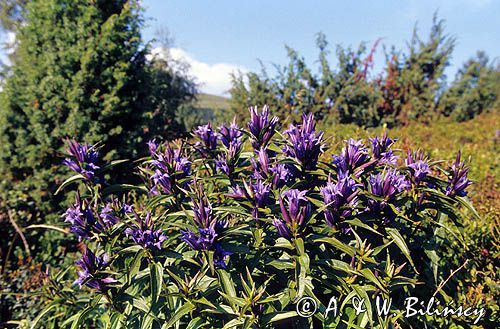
[(85, 159), (113, 211), (232, 141), (261, 128), (257, 194), (385, 186), (168, 165), (202, 208), (161, 182), (144, 233), (221, 256), (295, 210), (204, 241), (281, 175), (282, 229), (458, 181), (261, 194), (381, 149), (306, 146), (418, 164), (208, 139), (223, 165), (230, 136), (261, 167), (238, 193), (420, 170), (340, 197), (207, 240), (354, 155), (81, 218), (90, 266)]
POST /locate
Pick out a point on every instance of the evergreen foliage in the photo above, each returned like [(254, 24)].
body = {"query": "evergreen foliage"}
[(80, 69), (411, 86), (474, 90)]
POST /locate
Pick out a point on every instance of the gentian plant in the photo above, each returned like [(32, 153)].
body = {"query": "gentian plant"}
[(233, 229)]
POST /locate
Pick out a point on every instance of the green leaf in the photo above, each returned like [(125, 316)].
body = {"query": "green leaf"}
[(156, 270), (42, 314), (278, 316), (357, 222), (68, 181), (119, 188), (196, 323), (338, 245), (400, 242), (179, 313), (116, 320), (77, 323)]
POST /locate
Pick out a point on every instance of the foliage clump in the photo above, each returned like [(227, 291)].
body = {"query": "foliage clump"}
[(220, 236), (411, 87), (79, 69)]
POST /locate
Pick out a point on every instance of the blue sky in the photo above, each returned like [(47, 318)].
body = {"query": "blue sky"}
[(219, 36)]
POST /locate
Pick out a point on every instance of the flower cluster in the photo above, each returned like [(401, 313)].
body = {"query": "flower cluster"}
[(278, 173), (89, 275), (168, 166), (113, 211), (258, 194), (354, 157), (340, 198), (295, 211), (385, 186), (418, 164), (209, 230), (84, 161), (82, 220), (306, 146), (208, 139), (381, 149), (144, 234), (458, 181), (260, 127), (231, 139), (191, 230)]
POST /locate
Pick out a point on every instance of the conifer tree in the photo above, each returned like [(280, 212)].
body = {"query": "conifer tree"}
[(80, 71)]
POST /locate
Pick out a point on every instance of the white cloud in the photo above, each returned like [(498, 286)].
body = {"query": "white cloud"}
[(213, 79)]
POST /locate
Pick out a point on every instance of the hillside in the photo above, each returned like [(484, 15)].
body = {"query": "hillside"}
[(211, 101)]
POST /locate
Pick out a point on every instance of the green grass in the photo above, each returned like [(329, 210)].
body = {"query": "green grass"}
[(211, 102)]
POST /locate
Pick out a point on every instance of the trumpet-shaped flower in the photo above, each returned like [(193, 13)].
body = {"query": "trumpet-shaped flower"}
[(306, 146), (231, 136), (340, 197), (82, 220), (261, 127), (353, 156), (418, 164), (295, 210), (144, 234), (386, 186), (113, 211), (207, 239), (85, 159), (381, 149), (458, 181), (168, 166), (90, 265), (208, 139)]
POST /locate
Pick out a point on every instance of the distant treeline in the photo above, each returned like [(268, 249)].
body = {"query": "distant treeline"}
[(412, 85)]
